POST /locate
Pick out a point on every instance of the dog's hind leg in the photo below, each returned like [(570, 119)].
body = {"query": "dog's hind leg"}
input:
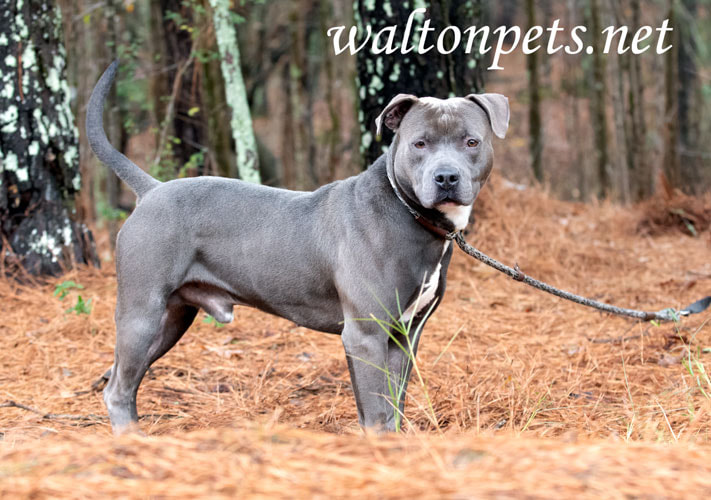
[(144, 333), (101, 382)]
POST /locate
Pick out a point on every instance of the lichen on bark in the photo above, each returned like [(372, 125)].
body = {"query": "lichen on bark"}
[(39, 170), (236, 94)]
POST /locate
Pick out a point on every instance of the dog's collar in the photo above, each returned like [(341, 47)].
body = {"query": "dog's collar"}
[(421, 219)]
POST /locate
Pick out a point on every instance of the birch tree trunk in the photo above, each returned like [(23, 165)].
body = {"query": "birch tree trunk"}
[(241, 122), (39, 154)]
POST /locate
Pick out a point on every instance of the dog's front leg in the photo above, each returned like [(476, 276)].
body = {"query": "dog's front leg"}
[(366, 347)]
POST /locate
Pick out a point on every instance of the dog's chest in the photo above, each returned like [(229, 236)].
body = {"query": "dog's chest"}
[(428, 290)]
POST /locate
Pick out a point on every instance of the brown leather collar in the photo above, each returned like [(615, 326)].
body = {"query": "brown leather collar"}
[(432, 228), (424, 221)]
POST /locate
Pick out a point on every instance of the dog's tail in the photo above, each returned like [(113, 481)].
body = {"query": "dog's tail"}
[(138, 180)]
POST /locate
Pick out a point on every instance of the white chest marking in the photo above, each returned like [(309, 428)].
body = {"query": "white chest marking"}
[(457, 214), (427, 291)]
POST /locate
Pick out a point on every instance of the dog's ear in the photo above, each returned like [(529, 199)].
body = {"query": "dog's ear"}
[(497, 109), (394, 112)]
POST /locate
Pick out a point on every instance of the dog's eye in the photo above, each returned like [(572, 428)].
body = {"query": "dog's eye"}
[(472, 143), (420, 144)]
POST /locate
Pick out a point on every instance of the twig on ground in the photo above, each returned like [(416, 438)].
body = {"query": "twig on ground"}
[(50, 416), (618, 340), (63, 416)]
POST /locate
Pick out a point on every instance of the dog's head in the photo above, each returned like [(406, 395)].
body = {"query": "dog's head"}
[(442, 153)]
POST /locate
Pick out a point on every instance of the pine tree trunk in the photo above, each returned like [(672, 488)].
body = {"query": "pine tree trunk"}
[(297, 96), (381, 77), (623, 153), (39, 154), (597, 103), (672, 165), (222, 153), (641, 175), (535, 128), (114, 122), (688, 93), (182, 117), (619, 71)]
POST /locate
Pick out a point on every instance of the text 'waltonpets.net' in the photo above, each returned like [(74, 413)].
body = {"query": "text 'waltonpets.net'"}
[(502, 40)]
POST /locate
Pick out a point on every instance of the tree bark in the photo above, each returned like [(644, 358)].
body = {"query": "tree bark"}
[(381, 77), (39, 154), (619, 72), (182, 125), (641, 176), (535, 127), (688, 93), (597, 103), (241, 122), (672, 165)]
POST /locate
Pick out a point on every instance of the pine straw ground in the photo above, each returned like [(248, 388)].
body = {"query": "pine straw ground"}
[(535, 397)]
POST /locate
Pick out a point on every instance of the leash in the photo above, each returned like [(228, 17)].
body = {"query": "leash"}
[(668, 314)]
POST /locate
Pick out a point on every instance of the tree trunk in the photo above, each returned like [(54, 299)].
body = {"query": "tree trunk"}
[(39, 155), (222, 158), (114, 122), (672, 165), (297, 96), (597, 103), (332, 136), (688, 93), (620, 117), (241, 122), (619, 73), (535, 128), (381, 77), (182, 128), (641, 175)]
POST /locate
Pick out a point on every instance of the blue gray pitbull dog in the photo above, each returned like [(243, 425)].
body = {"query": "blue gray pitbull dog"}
[(321, 259)]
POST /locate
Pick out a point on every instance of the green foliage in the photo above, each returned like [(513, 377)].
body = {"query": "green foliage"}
[(107, 212), (183, 23), (196, 161), (236, 18), (81, 307), (167, 168), (62, 289), (405, 337), (205, 56), (209, 320), (686, 220), (133, 93), (694, 363), (695, 366)]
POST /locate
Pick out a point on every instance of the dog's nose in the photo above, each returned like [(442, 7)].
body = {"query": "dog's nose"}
[(446, 177)]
